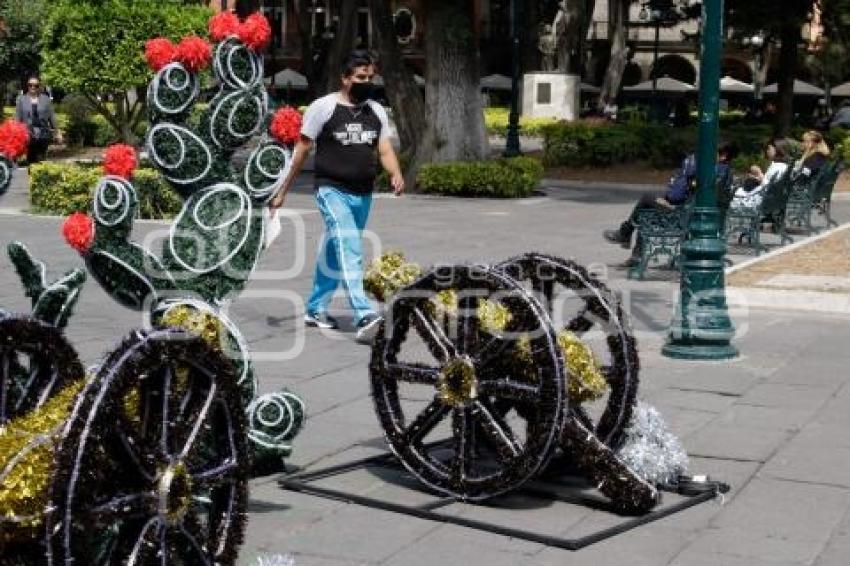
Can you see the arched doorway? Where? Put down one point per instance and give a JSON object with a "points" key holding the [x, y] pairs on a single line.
{"points": [[675, 67], [737, 69]]}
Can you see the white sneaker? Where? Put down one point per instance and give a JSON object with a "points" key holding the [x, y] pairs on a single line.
{"points": [[367, 328], [320, 320]]}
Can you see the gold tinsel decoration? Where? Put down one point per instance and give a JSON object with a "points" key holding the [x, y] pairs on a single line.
{"points": [[589, 383], [204, 324], [23, 492], [389, 273]]}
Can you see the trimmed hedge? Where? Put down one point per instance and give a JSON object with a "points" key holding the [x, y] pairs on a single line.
{"points": [[600, 144], [496, 121], [500, 178], [63, 188]]}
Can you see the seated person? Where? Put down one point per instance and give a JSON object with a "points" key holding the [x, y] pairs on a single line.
{"points": [[751, 194], [678, 190], [815, 153]]}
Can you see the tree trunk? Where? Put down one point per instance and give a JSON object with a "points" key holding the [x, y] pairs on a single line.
{"points": [[618, 13], [342, 43], [531, 58], [409, 111], [302, 22], [455, 114], [789, 37]]}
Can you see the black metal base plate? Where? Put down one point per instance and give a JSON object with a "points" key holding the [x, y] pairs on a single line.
{"points": [[546, 491]]}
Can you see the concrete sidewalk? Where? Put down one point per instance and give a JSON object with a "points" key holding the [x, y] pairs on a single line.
{"points": [[773, 423]]}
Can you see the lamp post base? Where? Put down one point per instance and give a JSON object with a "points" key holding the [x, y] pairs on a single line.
{"points": [[699, 351], [701, 328]]}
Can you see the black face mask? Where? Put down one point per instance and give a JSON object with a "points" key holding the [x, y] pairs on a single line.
{"points": [[361, 92]]}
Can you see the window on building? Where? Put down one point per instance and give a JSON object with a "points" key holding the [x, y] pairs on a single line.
{"points": [[276, 12]]}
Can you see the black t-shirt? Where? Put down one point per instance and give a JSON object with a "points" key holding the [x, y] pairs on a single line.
{"points": [[346, 140]]}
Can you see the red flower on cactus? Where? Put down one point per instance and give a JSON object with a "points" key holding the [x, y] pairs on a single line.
{"points": [[223, 25], [14, 139], [194, 52], [255, 31], [159, 52], [285, 126], [119, 160], [78, 230]]}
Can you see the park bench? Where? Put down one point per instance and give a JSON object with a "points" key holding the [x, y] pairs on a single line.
{"points": [[808, 195], [822, 199], [661, 230], [746, 222]]}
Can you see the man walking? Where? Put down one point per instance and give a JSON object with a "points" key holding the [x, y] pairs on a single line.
{"points": [[348, 129]]}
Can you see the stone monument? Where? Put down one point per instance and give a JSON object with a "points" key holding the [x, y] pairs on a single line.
{"points": [[551, 93]]}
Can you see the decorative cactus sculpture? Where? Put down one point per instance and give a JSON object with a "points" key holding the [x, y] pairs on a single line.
{"points": [[215, 242]]}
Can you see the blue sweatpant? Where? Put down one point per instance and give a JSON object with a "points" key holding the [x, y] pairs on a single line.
{"points": [[340, 256]]}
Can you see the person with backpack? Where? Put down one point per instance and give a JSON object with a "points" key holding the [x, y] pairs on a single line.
{"points": [[680, 188]]}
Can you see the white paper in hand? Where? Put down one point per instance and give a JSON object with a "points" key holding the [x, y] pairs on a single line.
{"points": [[271, 223]]}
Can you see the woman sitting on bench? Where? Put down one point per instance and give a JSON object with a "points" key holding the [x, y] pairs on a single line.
{"points": [[751, 194]]}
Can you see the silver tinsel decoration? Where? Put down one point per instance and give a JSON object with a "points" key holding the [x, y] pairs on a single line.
{"points": [[275, 560], [650, 449]]}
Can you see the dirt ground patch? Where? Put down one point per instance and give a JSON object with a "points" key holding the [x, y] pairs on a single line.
{"points": [[829, 256]]}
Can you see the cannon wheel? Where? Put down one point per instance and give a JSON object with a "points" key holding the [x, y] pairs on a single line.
{"points": [[152, 464], [35, 362], [563, 285], [454, 440]]}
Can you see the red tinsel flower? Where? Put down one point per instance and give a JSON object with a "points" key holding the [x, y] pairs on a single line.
{"points": [[14, 139], [195, 53], [223, 25], [119, 160], [159, 52], [285, 126], [78, 230], [255, 31]]}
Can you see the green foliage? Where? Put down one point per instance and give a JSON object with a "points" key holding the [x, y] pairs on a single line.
{"points": [[496, 121], [19, 53], [600, 144], [63, 188], [96, 47], [501, 178]]}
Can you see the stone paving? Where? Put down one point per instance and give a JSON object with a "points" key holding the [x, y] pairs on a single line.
{"points": [[772, 423]]}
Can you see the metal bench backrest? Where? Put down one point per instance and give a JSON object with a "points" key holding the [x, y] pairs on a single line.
{"points": [[826, 181], [776, 195]]}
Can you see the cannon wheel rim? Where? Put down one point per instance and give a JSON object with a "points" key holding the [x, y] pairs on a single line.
{"points": [[622, 374], [46, 348], [166, 478], [478, 423]]}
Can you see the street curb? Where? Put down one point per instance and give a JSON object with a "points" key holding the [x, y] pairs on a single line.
{"points": [[788, 299], [793, 300]]}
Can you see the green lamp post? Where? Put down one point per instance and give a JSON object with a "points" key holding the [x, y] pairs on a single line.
{"points": [[701, 328]]}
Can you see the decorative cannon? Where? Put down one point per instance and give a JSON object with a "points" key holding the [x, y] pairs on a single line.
{"points": [[143, 459], [215, 242], [481, 374]]}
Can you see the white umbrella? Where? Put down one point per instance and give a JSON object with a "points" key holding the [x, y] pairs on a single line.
{"points": [[801, 88], [664, 84], [728, 84], [840, 90], [496, 82], [289, 78]]}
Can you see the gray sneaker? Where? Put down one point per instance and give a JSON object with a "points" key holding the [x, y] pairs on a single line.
{"points": [[320, 320], [367, 328]]}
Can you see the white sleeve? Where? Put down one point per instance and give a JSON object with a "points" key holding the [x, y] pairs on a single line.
{"points": [[316, 115], [384, 119]]}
